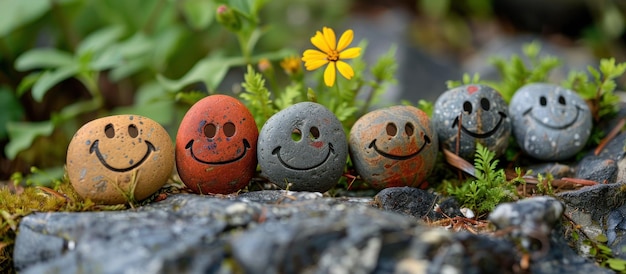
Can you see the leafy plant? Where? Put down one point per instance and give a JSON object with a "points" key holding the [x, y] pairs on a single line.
{"points": [[488, 189]]}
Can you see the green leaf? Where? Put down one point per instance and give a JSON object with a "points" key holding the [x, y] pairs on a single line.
{"points": [[199, 13], [43, 58], [210, 71], [100, 39], [27, 83], [50, 78], [22, 135], [16, 13], [616, 264], [11, 110]]}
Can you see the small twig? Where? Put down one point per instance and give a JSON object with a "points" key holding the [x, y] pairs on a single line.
{"points": [[616, 130], [458, 162]]}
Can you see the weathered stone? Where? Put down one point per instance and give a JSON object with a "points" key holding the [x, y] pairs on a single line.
{"points": [[266, 232], [110, 157], [216, 146], [406, 200], [530, 219], [549, 122], [475, 113], [603, 171], [303, 146], [395, 146]]}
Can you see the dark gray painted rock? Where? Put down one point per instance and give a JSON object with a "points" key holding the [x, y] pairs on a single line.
{"points": [[395, 146], [549, 122], [478, 114], [305, 146], [406, 200]]}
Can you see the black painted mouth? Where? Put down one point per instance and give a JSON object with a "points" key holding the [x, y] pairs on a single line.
{"points": [[480, 135], [94, 147], [246, 146], [399, 157], [276, 151], [529, 112]]}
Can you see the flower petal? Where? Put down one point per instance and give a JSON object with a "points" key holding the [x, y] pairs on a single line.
{"points": [[329, 36], [314, 64], [345, 69], [330, 74], [350, 53], [311, 54], [319, 42], [345, 40]]}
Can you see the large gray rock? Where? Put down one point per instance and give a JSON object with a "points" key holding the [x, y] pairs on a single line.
{"points": [[264, 232]]}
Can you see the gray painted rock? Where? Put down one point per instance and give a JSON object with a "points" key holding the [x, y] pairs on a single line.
{"points": [[549, 122], [304, 146], [395, 146], [476, 113]]}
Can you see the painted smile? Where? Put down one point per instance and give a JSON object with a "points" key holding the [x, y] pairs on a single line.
{"points": [[277, 152], [399, 157], [94, 147], [480, 135], [246, 146], [529, 112]]}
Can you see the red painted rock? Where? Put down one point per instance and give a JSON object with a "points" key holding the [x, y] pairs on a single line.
{"points": [[110, 156], [393, 147], [216, 146]]}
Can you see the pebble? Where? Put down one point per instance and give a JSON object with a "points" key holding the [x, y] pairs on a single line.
{"points": [[482, 115], [110, 156], [529, 220], [549, 122], [303, 148], [216, 146], [395, 146]]}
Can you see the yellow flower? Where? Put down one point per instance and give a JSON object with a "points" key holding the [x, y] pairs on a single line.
{"points": [[332, 53], [291, 65]]}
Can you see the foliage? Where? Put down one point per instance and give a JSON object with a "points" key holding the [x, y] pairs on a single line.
{"points": [[598, 90], [488, 189], [465, 81], [257, 97], [598, 249], [516, 73], [72, 61]]}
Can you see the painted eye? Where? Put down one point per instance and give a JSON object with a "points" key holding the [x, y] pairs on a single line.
{"points": [[391, 129], [229, 129], [296, 135], [427, 139], [409, 129], [314, 133], [210, 130], [561, 100], [109, 131], [484, 103], [133, 131], [467, 107], [543, 101]]}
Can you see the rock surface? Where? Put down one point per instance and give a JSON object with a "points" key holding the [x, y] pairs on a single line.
{"points": [[269, 232]]}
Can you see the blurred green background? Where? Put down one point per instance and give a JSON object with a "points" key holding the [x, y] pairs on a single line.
{"points": [[66, 62]]}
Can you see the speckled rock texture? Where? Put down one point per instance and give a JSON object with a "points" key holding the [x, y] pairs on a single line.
{"points": [[472, 114], [303, 147], [395, 146], [549, 122]]}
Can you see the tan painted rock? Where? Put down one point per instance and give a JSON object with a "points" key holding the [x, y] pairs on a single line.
{"points": [[107, 156], [216, 146], [392, 147]]}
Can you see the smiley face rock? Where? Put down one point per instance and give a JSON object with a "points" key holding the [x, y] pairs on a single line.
{"points": [[550, 122], [393, 147], [303, 145], [110, 156], [475, 113], [216, 146]]}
